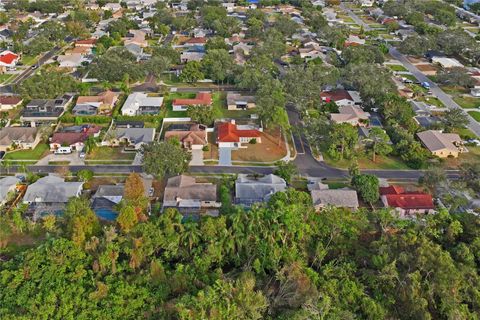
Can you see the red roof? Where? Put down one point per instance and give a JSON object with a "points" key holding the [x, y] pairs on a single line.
{"points": [[201, 99], [228, 132], [70, 138], [397, 198], [8, 57], [10, 100], [87, 42], [199, 40], [336, 95]]}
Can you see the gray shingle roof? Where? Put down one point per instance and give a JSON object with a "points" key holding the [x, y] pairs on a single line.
{"points": [[249, 190], [52, 189]]}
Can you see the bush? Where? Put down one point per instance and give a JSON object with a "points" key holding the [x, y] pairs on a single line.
{"points": [[253, 141], [206, 148]]}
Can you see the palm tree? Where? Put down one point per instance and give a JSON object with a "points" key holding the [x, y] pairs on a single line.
{"points": [[191, 235]]}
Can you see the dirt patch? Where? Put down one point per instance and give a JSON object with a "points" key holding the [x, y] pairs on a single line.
{"points": [[416, 60], [272, 148], [212, 153]]}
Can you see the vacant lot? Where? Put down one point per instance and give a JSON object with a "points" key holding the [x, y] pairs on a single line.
{"points": [[110, 153], [272, 148], [212, 153]]}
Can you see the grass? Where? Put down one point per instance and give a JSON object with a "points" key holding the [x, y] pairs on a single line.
{"points": [[467, 102], [466, 133], [473, 155], [397, 67], [109, 153], [268, 150], [432, 100], [58, 163], [28, 60], [475, 115], [5, 77], [35, 154], [168, 103], [365, 162], [454, 90]]}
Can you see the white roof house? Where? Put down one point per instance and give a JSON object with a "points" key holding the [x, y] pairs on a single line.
{"points": [[140, 103], [74, 60], [7, 185], [447, 62]]}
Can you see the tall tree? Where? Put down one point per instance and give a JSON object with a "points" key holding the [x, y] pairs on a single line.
{"points": [[165, 158]]}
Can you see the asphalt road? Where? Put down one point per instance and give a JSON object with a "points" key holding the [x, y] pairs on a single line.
{"points": [[355, 18], [436, 90]]}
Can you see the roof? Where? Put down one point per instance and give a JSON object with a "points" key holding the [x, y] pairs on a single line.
{"points": [[347, 113], [24, 134], [140, 99], [192, 137], [10, 100], [74, 137], [396, 197], [52, 189], [6, 185], [107, 97], [136, 135], [336, 197], [435, 140], [201, 98], [228, 132], [86, 42], [186, 188], [8, 57], [336, 95], [249, 190], [198, 40], [233, 98]]}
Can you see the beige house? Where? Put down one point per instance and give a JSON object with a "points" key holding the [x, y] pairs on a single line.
{"points": [[324, 197], [353, 115], [193, 139], [101, 104], [442, 144], [236, 101], [12, 138]]}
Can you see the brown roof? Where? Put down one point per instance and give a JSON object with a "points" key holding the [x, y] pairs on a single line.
{"points": [[24, 134], [336, 95], [108, 97], [10, 100], [186, 188], [201, 99], [192, 137], [435, 140]]}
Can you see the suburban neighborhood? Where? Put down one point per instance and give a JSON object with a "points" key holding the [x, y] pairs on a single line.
{"points": [[250, 159]]}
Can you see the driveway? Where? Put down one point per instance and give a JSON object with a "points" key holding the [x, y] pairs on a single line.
{"points": [[225, 156], [72, 158], [197, 157]]}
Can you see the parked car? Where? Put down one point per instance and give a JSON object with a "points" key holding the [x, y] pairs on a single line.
{"points": [[63, 150], [81, 155], [426, 85], [2, 154]]}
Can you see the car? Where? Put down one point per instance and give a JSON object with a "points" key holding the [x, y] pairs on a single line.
{"points": [[35, 66], [2, 154], [426, 85], [81, 155], [405, 80]]}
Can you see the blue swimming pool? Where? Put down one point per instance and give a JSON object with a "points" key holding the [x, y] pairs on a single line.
{"points": [[106, 214]]}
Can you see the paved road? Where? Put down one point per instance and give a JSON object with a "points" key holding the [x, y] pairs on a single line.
{"points": [[436, 90], [355, 18]]}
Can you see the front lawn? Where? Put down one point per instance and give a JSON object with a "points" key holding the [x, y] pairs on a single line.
{"points": [[467, 102], [396, 67], [432, 101], [453, 90], [39, 152], [475, 115], [28, 60], [473, 155], [271, 149], [365, 162], [466, 133], [110, 153]]}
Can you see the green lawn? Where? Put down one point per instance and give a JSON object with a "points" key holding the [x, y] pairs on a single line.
{"points": [[365, 162], [454, 90], [475, 115], [396, 67], [432, 100], [28, 59], [466, 133], [109, 153], [467, 102], [34, 154], [4, 77]]}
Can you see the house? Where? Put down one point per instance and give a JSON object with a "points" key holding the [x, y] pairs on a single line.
{"points": [[189, 55], [194, 42], [354, 40], [87, 43], [201, 99], [353, 115], [231, 135], [100, 104], [406, 204], [10, 102], [237, 101], [73, 137], [191, 197], [441, 144], [250, 190], [229, 6], [193, 139], [50, 194], [366, 3], [342, 97], [310, 53], [7, 186], [475, 91], [71, 61], [39, 110], [129, 124], [8, 59], [137, 37], [12, 138], [447, 63], [140, 103], [114, 7], [132, 137], [323, 197]]}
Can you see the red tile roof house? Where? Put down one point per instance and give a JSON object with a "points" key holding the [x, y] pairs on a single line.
{"points": [[200, 41], [232, 136], [341, 97], [89, 43], [9, 102], [75, 140], [201, 99], [406, 204], [8, 59]]}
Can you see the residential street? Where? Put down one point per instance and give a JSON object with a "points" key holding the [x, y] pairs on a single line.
{"points": [[436, 90]]}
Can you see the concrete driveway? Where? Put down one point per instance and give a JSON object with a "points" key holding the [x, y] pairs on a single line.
{"points": [[73, 158], [224, 156], [197, 157]]}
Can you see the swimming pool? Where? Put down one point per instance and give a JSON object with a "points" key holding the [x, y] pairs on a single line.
{"points": [[106, 214]]}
